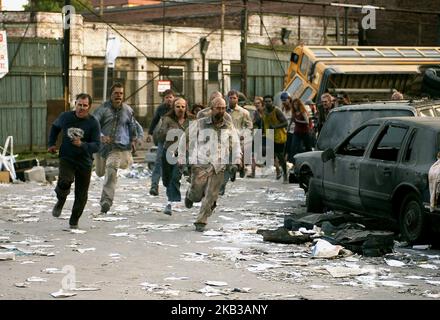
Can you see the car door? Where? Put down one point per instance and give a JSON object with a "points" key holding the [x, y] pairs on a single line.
{"points": [[341, 175], [378, 170]]}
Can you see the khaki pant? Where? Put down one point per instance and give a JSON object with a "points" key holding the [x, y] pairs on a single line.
{"points": [[205, 186], [109, 167]]}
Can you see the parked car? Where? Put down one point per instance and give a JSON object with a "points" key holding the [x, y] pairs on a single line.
{"points": [[381, 170], [343, 120]]}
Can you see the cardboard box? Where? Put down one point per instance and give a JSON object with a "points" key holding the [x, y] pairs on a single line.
{"points": [[4, 177]]}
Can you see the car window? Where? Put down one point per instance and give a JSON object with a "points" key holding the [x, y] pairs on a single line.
{"points": [[358, 143], [388, 144], [427, 113], [410, 156], [340, 124]]}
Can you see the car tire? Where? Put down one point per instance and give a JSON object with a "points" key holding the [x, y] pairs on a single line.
{"points": [[151, 165], [412, 218], [313, 199], [304, 176]]}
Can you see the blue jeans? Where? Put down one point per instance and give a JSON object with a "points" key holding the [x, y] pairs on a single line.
{"points": [[157, 171], [171, 176]]}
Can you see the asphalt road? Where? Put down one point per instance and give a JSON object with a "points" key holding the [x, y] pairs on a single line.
{"points": [[144, 254]]}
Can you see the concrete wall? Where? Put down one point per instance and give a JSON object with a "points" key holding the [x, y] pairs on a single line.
{"points": [[143, 49]]}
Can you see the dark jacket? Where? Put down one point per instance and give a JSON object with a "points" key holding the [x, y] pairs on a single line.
{"points": [[91, 130], [160, 112]]}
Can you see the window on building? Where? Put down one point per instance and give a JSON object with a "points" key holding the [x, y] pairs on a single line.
{"points": [[112, 77], [236, 76], [213, 70], [175, 75]]}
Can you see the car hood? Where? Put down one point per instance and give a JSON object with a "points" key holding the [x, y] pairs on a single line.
{"points": [[311, 158]]}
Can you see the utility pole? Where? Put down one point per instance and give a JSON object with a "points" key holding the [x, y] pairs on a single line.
{"points": [[222, 39], [345, 26], [104, 85], [101, 8], [243, 47], [66, 57]]}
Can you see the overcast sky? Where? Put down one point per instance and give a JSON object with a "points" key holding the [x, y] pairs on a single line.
{"points": [[13, 5]]}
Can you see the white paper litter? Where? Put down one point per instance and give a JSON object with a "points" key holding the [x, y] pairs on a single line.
{"points": [[77, 231], [109, 219], [62, 294], [422, 246], [85, 289], [428, 266], [318, 286], [216, 283], [262, 267], [342, 272], [8, 246], [84, 250], [36, 279], [120, 234], [212, 233], [21, 285], [52, 270], [430, 294], [210, 291], [175, 278], [7, 256], [392, 283], [394, 263], [324, 249]]}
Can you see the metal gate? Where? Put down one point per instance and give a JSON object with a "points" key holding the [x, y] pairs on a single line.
{"points": [[35, 76]]}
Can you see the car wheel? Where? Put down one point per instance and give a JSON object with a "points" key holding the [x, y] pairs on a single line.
{"points": [[313, 199], [304, 177], [151, 165], [412, 218]]}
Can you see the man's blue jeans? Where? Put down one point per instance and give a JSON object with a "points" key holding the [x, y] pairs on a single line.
{"points": [[157, 171]]}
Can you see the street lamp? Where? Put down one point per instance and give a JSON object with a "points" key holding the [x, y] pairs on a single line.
{"points": [[204, 44]]}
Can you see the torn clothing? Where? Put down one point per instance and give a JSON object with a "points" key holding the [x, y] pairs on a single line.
{"points": [[434, 185]]}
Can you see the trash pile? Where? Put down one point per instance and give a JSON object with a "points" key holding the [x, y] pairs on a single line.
{"points": [[346, 230]]}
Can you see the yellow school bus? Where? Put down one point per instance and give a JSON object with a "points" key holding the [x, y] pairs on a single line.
{"points": [[364, 73]]}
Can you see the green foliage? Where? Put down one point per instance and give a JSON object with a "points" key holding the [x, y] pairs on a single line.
{"points": [[55, 5]]}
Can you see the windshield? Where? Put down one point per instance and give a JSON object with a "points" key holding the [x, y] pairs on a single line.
{"points": [[341, 124]]}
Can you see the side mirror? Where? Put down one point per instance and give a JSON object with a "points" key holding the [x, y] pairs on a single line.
{"points": [[328, 154]]}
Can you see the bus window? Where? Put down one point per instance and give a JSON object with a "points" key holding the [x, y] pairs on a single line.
{"points": [[294, 86], [322, 53], [369, 53], [307, 94], [345, 52], [304, 64]]}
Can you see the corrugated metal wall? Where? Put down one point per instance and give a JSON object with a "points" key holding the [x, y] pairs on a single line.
{"points": [[35, 75], [265, 71]]}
